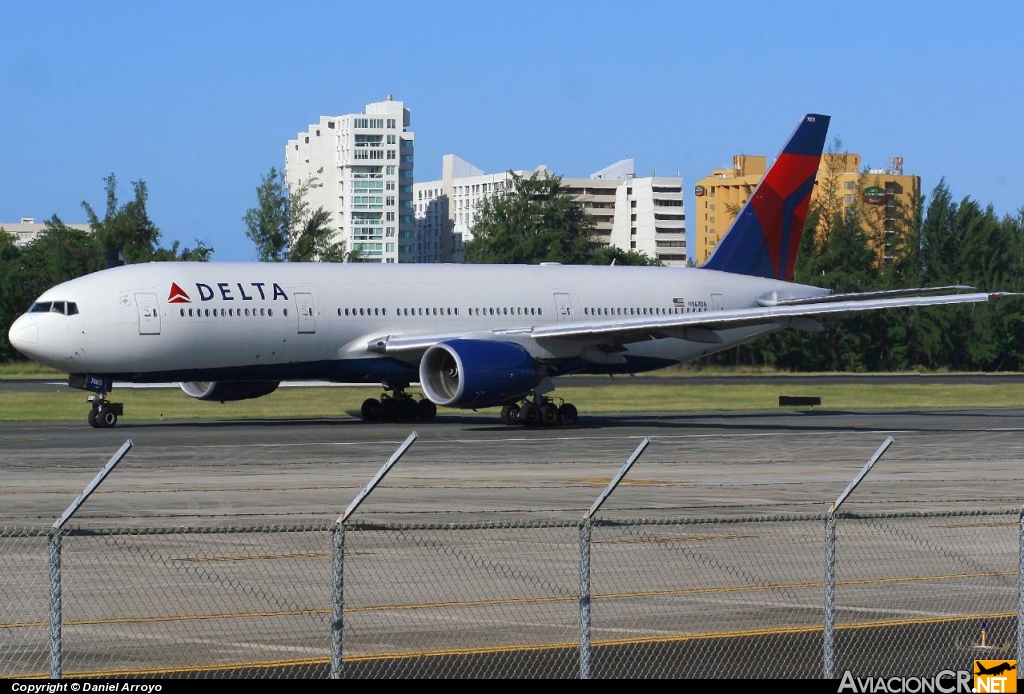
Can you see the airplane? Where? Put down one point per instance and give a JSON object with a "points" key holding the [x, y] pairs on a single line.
{"points": [[472, 336], [995, 669]]}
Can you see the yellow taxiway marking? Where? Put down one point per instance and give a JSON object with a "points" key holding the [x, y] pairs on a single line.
{"points": [[487, 650], [511, 601]]}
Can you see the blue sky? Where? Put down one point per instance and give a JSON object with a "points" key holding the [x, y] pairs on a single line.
{"points": [[199, 99]]}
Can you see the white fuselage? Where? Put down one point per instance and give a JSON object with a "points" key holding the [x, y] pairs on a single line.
{"points": [[209, 321]]}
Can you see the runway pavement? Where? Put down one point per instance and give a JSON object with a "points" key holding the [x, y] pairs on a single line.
{"points": [[462, 465], [670, 600]]}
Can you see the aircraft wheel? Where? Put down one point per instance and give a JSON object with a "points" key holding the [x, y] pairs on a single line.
{"points": [[549, 415], [93, 422], [510, 414], [426, 410], [407, 409], [568, 414], [370, 410], [106, 418], [388, 409], [529, 415]]}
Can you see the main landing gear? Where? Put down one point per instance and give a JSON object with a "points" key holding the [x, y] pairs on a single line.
{"points": [[540, 411], [104, 414], [397, 406]]}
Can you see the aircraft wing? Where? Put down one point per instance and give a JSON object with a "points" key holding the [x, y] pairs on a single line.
{"points": [[701, 327], [697, 327]]}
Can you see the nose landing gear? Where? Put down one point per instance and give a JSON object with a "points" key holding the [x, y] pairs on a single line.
{"points": [[104, 414]]}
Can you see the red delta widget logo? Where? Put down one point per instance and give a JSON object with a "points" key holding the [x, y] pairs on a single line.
{"points": [[228, 291]]}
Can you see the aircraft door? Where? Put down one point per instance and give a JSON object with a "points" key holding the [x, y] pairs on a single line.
{"points": [[563, 308], [717, 302], [307, 313], [149, 314]]}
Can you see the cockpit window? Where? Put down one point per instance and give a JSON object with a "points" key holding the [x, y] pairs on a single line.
{"points": [[68, 308]]}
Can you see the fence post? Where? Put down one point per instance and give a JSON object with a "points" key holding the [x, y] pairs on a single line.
{"points": [[56, 603], [828, 641], [1019, 655], [585, 599], [829, 668], [337, 599], [56, 621], [585, 557], [338, 558]]}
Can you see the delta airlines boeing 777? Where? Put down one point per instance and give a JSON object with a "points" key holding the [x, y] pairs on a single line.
{"points": [[471, 335]]}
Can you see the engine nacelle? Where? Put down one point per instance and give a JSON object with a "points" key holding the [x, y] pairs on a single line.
{"points": [[477, 373], [226, 391]]}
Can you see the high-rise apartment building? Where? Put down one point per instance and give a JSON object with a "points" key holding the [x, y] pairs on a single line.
{"points": [[886, 194], [359, 167], [642, 214]]}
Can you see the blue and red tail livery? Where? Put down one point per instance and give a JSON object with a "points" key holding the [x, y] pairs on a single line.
{"points": [[764, 239]]}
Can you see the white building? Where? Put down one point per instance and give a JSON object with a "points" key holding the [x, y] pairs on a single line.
{"points": [[641, 214], [27, 230], [359, 168]]}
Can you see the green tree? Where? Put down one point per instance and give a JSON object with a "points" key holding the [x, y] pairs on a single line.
{"points": [[535, 220], [200, 254], [12, 301], [608, 254], [284, 229], [314, 240], [268, 223], [126, 229]]}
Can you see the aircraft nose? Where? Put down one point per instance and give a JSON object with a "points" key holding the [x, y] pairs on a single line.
{"points": [[24, 335]]}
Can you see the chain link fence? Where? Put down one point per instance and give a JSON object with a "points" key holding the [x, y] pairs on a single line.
{"points": [[907, 594]]}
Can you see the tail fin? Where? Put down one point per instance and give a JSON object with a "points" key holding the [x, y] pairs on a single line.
{"points": [[765, 236]]}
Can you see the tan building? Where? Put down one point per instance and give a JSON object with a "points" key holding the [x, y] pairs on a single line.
{"points": [[28, 230], [883, 194]]}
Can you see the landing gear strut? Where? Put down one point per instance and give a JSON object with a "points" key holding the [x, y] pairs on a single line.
{"points": [[540, 410], [397, 406], [104, 414]]}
